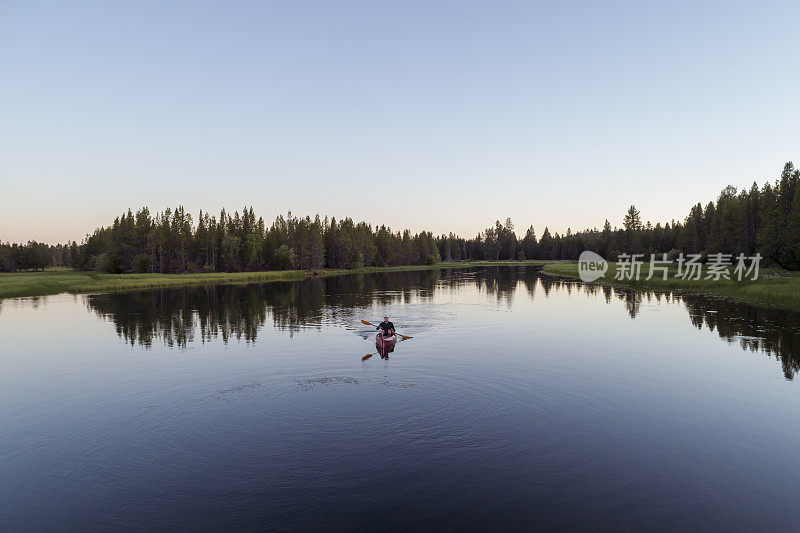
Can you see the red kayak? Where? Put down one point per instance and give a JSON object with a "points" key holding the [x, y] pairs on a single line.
{"points": [[380, 340]]}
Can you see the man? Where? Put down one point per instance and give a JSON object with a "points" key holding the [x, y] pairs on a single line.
{"points": [[387, 327]]}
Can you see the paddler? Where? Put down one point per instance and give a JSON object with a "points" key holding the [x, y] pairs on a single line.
{"points": [[386, 327]]}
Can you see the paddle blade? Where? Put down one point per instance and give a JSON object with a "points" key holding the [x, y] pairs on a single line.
{"points": [[367, 323], [404, 336]]}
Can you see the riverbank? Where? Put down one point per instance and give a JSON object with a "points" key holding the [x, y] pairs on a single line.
{"points": [[773, 289], [56, 281], [778, 289]]}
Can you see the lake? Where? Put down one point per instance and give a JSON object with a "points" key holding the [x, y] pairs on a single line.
{"points": [[522, 401]]}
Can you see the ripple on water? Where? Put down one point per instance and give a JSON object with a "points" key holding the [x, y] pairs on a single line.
{"points": [[311, 384]]}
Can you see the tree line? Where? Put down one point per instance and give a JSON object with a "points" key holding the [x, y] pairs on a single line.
{"points": [[763, 220], [171, 242]]}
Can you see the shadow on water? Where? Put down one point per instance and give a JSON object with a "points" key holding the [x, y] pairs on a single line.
{"points": [[181, 316], [755, 329]]}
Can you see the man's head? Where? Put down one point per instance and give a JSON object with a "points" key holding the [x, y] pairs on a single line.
{"points": [[386, 319]]}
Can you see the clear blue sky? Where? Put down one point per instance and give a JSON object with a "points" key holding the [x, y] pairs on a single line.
{"points": [[428, 115]]}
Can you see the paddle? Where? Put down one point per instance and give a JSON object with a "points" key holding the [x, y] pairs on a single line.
{"points": [[376, 325]]}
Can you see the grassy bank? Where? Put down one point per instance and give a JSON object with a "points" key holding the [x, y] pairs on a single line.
{"points": [[55, 281], [63, 280], [774, 289], [777, 289]]}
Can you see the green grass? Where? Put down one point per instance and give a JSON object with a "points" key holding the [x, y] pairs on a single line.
{"points": [[777, 289], [774, 288], [55, 281]]}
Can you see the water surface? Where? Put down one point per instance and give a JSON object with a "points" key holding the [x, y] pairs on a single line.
{"points": [[522, 401]]}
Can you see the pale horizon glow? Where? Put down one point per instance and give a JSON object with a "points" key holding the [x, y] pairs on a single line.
{"points": [[440, 116]]}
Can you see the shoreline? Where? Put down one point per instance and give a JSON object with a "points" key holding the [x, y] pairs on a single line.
{"points": [[773, 289], [777, 290], [58, 281]]}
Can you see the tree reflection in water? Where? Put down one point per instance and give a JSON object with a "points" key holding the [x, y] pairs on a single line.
{"points": [[181, 316]]}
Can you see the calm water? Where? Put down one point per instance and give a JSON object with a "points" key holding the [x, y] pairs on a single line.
{"points": [[522, 401]]}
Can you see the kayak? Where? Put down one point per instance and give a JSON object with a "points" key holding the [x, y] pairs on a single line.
{"points": [[380, 340]]}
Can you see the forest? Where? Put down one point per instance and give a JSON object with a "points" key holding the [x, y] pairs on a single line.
{"points": [[764, 220]]}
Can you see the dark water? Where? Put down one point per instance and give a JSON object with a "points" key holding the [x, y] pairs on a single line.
{"points": [[521, 402]]}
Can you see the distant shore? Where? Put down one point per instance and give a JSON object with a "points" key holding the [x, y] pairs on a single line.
{"points": [[774, 288], [56, 281], [778, 289]]}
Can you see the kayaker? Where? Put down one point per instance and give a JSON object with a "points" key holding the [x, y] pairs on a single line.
{"points": [[386, 327]]}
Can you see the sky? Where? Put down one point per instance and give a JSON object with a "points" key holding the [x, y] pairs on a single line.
{"points": [[434, 115]]}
